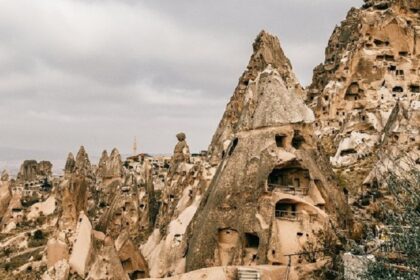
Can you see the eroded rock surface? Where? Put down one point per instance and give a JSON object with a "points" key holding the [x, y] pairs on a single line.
{"points": [[366, 93]]}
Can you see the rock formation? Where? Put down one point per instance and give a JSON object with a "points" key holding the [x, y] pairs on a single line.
{"points": [[82, 164], [262, 194], [83, 247], [5, 193], [70, 165], [31, 170], [365, 94], [181, 195], [132, 260], [102, 165], [272, 182], [267, 51]]}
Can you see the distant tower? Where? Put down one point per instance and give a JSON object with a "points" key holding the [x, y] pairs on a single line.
{"points": [[135, 146]]}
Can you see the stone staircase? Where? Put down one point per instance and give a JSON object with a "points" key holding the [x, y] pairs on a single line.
{"points": [[248, 274]]}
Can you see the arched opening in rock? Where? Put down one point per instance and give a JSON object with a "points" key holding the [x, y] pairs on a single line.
{"points": [[353, 92], [252, 241], [291, 178], [286, 209], [227, 239]]}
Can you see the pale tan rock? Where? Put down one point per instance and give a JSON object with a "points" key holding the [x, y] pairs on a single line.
{"points": [[365, 93], [107, 265], [273, 190], [82, 250], [57, 250], [267, 51], [82, 164], [5, 196], [131, 258], [70, 165], [181, 151], [60, 271]]}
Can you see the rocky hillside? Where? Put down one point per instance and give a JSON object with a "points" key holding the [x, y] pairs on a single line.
{"points": [[366, 94], [292, 180]]}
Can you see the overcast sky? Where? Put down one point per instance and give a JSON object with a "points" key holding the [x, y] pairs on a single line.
{"points": [[99, 72]]}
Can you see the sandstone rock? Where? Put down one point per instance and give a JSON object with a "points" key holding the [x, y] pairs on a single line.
{"points": [[114, 165], [4, 176], [267, 51], [107, 265], [82, 164], [81, 254], [5, 196], [364, 95], [60, 271], [70, 165], [181, 151], [74, 198], [14, 214], [28, 170], [57, 250], [271, 184], [131, 258], [45, 208], [102, 165], [45, 168]]}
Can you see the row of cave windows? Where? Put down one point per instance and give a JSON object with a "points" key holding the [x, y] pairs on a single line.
{"points": [[297, 142], [352, 95]]}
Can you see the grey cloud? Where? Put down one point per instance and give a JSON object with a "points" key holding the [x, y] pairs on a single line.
{"points": [[99, 72]]}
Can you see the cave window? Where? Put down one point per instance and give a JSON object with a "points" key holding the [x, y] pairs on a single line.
{"points": [[233, 146], [293, 180], [297, 140], [138, 274], [392, 68], [251, 240], [126, 264], [397, 89], [403, 53], [285, 209], [280, 140], [352, 92], [389, 57], [399, 72], [347, 152], [415, 88], [378, 43]]}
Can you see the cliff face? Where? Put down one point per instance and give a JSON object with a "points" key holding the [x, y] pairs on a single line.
{"points": [[366, 94], [267, 51], [271, 183]]}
